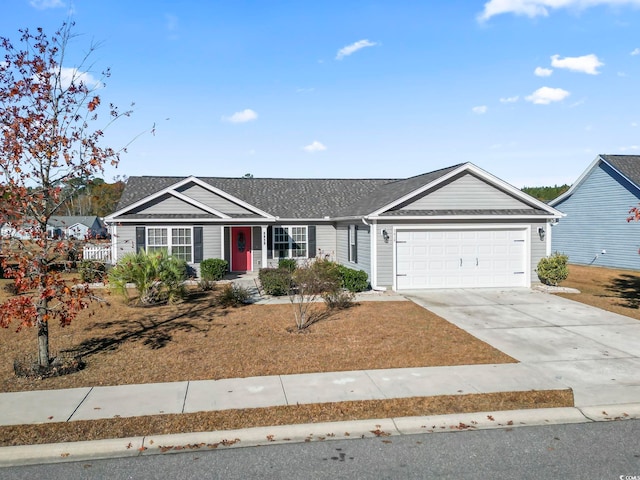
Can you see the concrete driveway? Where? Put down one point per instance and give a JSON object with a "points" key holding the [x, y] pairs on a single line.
{"points": [[595, 352]]}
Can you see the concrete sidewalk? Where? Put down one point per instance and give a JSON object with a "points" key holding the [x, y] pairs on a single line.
{"points": [[91, 403]]}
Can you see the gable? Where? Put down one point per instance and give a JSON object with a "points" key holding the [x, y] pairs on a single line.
{"points": [[464, 192], [213, 200], [602, 190], [168, 205]]}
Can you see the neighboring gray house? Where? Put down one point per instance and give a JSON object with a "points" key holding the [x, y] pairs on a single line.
{"points": [[455, 227], [595, 230], [79, 227]]}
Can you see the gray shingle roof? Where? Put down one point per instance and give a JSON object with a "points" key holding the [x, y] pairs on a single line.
{"points": [[302, 198], [628, 165], [284, 198]]}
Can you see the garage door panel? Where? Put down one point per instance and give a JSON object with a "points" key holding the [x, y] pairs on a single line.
{"points": [[461, 258]]}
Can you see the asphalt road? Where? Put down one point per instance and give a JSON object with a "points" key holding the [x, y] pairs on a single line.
{"points": [[602, 450]]}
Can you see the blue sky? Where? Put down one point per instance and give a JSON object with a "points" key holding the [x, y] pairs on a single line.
{"points": [[529, 90]]}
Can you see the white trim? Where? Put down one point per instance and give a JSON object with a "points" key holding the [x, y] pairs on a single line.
{"points": [[263, 239], [548, 230], [598, 160], [578, 182], [495, 181], [273, 240], [498, 226], [374, 253], [222, 239], [192, 220], [172, 191], [397, 218], [114, 243], [169, 229], [198, 204]]}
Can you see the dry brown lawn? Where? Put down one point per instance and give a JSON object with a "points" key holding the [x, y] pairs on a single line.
{"points": [[198, 339], [610, 289]]}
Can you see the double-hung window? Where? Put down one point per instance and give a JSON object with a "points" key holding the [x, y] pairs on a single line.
{"points": [[290, 242], [352, 249], [177, 241]]}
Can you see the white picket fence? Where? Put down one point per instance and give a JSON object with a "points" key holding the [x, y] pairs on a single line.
{"points": [[100, 253]]}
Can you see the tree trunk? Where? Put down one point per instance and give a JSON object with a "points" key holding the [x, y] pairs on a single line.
{"points": [[43, 334]]}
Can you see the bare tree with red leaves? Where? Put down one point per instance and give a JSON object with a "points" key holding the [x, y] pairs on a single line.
{"points": [[48, 141]]}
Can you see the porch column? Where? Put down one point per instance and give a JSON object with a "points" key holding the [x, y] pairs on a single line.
{"points": [[263, 239]]}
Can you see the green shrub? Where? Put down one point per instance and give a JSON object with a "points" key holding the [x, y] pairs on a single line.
{"points": [[213, 269], [275, 281], [553, 269], [157, 276], [233, 295], [288, 264], [354, 280], [92, 271]]}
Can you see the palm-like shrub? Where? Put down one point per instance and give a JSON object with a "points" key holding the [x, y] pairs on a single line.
{"points": [[157, 276]]}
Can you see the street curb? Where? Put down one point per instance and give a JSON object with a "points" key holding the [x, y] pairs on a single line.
{"points": [[305, 433]]}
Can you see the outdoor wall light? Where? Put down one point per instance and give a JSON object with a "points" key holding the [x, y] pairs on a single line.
{"points": [[541, 233], [385, 235]]}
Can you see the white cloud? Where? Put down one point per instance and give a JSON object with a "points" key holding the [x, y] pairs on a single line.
{"points": [[546, 95], [542, 72], [584, 64], [630, 147], [513, 99], [244, 116], [634, 124], [44, 4], [68, 75], [541, 8], [354, 47], [636, 51], [315, 146], [480, 109]]}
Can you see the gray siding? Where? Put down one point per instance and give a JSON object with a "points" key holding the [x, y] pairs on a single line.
{"points": [[126, 241], [538, 248], [363, 246], [384, 256], [171, 205], [211, 238], [466, 192], [325, 240], [212, 200], [342, 235], [596, 221], [364, 250]]}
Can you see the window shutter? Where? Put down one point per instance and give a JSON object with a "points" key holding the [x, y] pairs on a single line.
{"points": [[355, 244], [197, 244], [311, 234], [269, 242], [140, 239]]}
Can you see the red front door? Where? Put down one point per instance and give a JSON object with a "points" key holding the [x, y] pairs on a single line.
{"points": [[240, 249]]}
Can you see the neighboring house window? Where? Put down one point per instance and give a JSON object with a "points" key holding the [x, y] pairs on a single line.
{"points": [[176, 241], [290, 242], [353, 243]]}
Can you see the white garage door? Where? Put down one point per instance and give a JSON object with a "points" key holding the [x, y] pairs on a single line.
{"points": [[460, 258]]}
